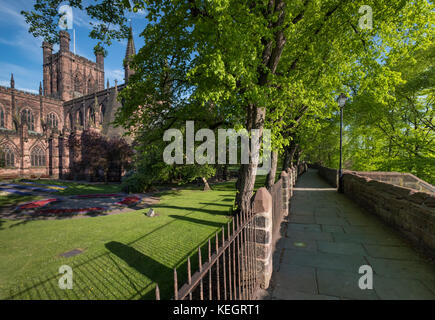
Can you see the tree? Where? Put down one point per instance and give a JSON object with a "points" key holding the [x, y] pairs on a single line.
{"points": [[93, 153], [249, 61]]}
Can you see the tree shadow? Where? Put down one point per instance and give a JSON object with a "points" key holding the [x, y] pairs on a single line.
{"points": [[214, 212], [216, 204], [143, 264], [205, 222]]}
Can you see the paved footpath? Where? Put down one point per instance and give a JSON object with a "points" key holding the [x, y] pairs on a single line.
{"points": [[327, 239]]}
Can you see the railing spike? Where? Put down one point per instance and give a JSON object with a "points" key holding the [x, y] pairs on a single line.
{"points": [[201, 293], [189, 276], [218, 287], [175, 284], [224, 265], [157, 292], [210, 294]]}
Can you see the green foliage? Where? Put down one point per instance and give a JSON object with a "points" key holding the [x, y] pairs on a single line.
{"points": [[150, 169], [225, 63], [106, 19], [99, 156], [397, 134]]}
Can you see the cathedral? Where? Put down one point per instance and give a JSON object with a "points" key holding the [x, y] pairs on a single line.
{"points": [[35, 128]]}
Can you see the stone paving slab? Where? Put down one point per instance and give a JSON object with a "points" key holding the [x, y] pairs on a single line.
{"points": [[341, 248], [334, 229], [322, 260], [430, 285], [367, 239], [331, 221], [326, 240], [391, 252], [302, 219], [306, 245], [303, 227], [401, 289], [402, 268], [303, 279], [342, 284], [309, 235]]}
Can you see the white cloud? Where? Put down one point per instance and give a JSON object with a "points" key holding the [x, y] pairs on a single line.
{"points": [[10, 17], [112, 74], [24, 77]]}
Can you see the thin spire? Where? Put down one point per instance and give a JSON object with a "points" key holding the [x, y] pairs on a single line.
{"points": [[12, 81], [40, 88], [131, 50]]}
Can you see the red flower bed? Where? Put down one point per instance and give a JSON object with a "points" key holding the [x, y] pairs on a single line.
{"points": [[98, 195], [129, 200], [78, 210], [36, 204]]}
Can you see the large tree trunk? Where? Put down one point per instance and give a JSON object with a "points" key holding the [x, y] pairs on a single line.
{"points": [[270, 179], [286, 161], [289, 154], [297, 154], [270, 56], [247, 172]]}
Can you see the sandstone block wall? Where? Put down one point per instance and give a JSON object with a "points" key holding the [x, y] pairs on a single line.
{"points": [[330, 175], [410, 211]]}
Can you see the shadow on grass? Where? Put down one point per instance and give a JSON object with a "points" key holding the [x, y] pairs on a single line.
{"points": [[199, 221], [227, 205], [140, 262], [121, 272], [214, 212]]}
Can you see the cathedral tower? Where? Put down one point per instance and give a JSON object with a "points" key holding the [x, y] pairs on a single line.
{"points": [[67, 75]]}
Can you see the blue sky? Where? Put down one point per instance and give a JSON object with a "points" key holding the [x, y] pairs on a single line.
{"points": [[21, 53]]}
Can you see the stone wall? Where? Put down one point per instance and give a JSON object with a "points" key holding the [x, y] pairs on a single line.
{"points": [[410, 211], [406, 180], [330, 175], [269, 211]]}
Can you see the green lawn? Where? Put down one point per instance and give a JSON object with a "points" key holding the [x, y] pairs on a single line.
{"points": [[80, 188], [125, 254]]}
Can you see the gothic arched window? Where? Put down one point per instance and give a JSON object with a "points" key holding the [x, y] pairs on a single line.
{"points": [[52, 121], [91, 87], [37, 157], [7, 157], [2, 118], [27, 117], [81, 122], [103, 111], [92, 118], [77, 84]]}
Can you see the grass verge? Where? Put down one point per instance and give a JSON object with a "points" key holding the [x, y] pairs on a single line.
{"points": [[124, 254]]}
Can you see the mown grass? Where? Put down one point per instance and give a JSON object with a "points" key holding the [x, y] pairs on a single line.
{"points": [[75, 188], [125, 254]]}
